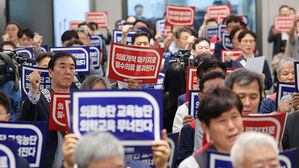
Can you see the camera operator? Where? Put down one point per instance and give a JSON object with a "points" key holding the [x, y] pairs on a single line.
{"points": [[9, 79]]}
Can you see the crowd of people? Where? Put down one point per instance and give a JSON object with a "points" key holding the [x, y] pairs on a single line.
{"points": [[223, 99]]}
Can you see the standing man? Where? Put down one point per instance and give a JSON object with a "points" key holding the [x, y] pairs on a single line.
{"points": [[279, 39], [37, 105], [138, 11]]}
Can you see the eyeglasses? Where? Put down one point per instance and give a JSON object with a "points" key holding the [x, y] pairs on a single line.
{"points": [[248, 41]]}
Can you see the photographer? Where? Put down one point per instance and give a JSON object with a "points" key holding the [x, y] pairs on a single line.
{"points": [[9, 80]]}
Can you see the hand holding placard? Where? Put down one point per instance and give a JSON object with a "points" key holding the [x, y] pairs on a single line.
{"points": [[161, 151], [68, 148]]}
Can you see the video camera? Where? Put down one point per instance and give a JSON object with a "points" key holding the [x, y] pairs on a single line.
{"points": [[182, 56], [9, 65], [20, 58]]}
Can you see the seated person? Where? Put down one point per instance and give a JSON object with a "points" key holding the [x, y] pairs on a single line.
{"points": [[27, 38], [220, 115], [208, 83], [4, 116], [248, 86], [285, 73], [89, 152], [254, 149], [181, 117], [247, 40], [290, 136]]}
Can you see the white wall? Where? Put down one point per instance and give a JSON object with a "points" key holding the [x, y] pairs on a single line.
{"points": [[2, 17], [269, 11], [113, 7]]}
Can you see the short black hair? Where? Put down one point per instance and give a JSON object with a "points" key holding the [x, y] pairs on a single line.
{"points": [[185, 29], [209, 76], [217, 102], [292, 9], [91, 24], [283, 6], [211, 20], [60, 55], [72, 42], [4, 101], [202, 58], [82, 24], [13, 23], [138, 5], [234, 30], [68, 35], [28, 32], [234, 18], [2, 44], [244, 33], [198, 40], [207, 65], [138, 34], [142, 21], [44, 55]]}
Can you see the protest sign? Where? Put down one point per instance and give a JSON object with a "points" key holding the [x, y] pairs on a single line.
{"points": [[8, 154], [134, 116], [30, 137], [287, 158], [271, 124], [26, 51], [235, 54], [145, 153], [192, 81], [160, 25], [100, 18], [45, 81], [283, 24], [117, 35], [211, 31], [221, 30], [60, 112], [284, 92], [96, 40], [74, 24], [193, 102], [81, 54], [180, 15], [44, 48], [95, 56], [226, 43], [219, 160], [167, 31], [132, 62], [219, 10], [296, 70], [159, 84]]}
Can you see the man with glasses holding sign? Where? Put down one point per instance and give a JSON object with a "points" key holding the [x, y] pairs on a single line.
{"points": [[37, 105]]}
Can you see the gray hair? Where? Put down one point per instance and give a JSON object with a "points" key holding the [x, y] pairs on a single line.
{"points": [[247, 141], [83, 31], [91, 80], [243, 77], [96, 146], [286, 61]]}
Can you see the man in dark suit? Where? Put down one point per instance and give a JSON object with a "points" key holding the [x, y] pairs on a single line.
{"points": [[37, 105], [291, 137]]}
